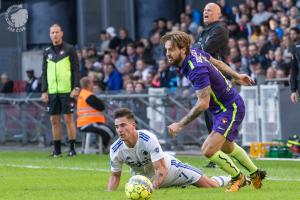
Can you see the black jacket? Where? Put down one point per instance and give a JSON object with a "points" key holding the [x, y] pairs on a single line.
{"points": [[29, 85], [56, 53], [167, 78], [96, 103], [214, 40], [7, 87], [295, 74]]}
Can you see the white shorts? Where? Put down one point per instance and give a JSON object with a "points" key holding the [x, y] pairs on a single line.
{"points": [[181, 174]]}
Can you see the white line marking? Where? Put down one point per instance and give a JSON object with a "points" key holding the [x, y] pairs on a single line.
{"points": [[107, 170], [61, 168], [282, 179], [279, 159]]}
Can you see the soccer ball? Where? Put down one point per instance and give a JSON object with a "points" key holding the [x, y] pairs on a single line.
{"points": [[138, 187]]}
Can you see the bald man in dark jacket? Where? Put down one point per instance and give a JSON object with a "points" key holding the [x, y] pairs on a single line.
{"points": [[214, 38]]}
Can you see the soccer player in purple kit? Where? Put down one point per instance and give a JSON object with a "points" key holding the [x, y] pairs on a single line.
{"points": [[214, 92]]}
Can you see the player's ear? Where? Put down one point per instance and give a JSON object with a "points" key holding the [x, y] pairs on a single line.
{"points": [[183, 50], [134, 124]]}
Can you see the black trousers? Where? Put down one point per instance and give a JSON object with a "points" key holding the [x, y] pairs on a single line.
{"points": [[103, 130], [208, 121]]}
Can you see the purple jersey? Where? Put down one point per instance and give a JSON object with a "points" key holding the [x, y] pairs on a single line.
{"points": [[201, 73]]}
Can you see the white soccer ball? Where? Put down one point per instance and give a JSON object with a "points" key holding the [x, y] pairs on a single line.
{"points": [[138, 187]]}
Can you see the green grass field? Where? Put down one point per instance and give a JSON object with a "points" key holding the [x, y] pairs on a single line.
{"points": [[34, 175]]}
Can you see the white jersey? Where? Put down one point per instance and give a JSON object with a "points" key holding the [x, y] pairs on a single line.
{"points": [[146, 151]]}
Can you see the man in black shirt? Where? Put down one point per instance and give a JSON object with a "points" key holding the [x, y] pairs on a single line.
{"points": [[32, 84], [295, 72], [7, 84], [214, 38]]}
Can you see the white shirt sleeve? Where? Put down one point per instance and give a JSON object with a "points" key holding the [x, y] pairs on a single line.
{"points": [[34, 84], [155, 149], [115, 162]]}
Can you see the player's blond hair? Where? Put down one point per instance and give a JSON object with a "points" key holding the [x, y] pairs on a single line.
{"points": [[178, 38]]}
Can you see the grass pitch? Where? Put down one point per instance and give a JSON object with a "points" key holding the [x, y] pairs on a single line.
{"points": [[35, 175]]}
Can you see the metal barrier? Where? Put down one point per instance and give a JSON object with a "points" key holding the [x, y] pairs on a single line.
{"points": [[250, 127], [23, 117], [269, 114]]}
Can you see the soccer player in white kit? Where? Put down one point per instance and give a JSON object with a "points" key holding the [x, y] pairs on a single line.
{"points": [[141, 151]]}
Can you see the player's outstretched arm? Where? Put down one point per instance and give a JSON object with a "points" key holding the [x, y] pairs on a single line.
{"points": [[161, 172], [242, 79], [202, 104], [114, 181]]}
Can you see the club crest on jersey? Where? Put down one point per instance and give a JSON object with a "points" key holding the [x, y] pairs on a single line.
{"points": [[224, 120], [156, 150], [50, 56], [129, 160], [61, 52], [145, 152]]}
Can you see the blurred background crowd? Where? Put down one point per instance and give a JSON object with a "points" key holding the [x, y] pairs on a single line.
{"points": [[262, 35]]}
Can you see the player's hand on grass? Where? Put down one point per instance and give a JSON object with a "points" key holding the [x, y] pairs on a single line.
{"points": [[175, 128], [244, 79], [155, 186], [44, 97]]}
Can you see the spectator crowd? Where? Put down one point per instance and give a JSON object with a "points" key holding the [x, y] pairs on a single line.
{"points": [[262, 37]]}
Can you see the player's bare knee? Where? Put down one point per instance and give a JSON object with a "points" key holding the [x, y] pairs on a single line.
{"points": [[208, 151], [55, 121], [68, 119]]}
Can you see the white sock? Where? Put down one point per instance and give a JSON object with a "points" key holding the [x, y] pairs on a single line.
{"points": [[222, 180]]}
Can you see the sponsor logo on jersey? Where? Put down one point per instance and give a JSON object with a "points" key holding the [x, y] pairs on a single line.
{"points": [[224, 120]]}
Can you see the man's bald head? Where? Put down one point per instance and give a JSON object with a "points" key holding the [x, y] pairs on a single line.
{"points": [[211, 13]]}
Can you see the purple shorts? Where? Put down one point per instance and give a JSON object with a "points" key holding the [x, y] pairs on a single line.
{"points": [[227, 123]]}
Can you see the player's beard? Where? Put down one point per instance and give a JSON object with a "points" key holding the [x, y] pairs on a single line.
{"points": [[175, 61]]}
